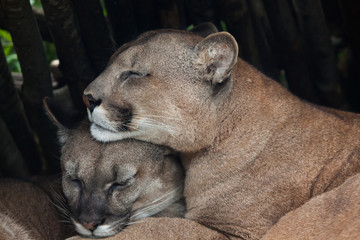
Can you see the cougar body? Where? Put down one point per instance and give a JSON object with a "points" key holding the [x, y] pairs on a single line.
{"points": [[252, 151]]}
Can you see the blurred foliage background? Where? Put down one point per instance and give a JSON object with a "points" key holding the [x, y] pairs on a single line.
{"points": [[9, 50]]}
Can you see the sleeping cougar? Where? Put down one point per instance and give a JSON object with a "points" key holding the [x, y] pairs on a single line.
{"points": [[109, 186], [252, 151]]}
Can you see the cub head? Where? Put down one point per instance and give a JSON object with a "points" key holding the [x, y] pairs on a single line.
{"points": [[108, 186], [165, 87]]}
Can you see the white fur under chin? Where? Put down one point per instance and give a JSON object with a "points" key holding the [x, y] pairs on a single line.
{"points": [[100, 231], [104, 135], [104, 231], [98, 116], [81, 229]]}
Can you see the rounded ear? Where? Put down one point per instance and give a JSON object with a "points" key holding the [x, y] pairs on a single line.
{"points": [[65, 118], [216, 56]]}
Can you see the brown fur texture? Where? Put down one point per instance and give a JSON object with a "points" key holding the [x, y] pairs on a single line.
{"points": [[252, 151], [331, 215], [26, 213]]}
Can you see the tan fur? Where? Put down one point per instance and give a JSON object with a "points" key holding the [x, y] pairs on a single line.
{"points": [[152, 182], [26, 213], [252, 151], [332, 215]]}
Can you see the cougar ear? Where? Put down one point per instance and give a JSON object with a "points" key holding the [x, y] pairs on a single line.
{"points": [[65, 118], [204, 29], [216, 56]]}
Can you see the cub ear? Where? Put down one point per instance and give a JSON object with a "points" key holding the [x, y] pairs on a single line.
{"points": [[204, 29], [216, 56], [64, 117]]}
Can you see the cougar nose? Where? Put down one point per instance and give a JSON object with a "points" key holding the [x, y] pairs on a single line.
{"points": [[91, 102], [92, 225]]}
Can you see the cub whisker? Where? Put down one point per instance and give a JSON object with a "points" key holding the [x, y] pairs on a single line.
{"points": [[154, 203], [135, 222]]}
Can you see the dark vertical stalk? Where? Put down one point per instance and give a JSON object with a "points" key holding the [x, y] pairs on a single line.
{"points": [[351, 13], [94, 32], [236, 15], [122, 20], [41, 22], [320, 53], [13, 114], [290, 47], [74, 61], [11, 162], [264, 38], [34, 66]]}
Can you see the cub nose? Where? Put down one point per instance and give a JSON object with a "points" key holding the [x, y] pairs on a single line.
{"points": [[92, 225], [91, 102]]}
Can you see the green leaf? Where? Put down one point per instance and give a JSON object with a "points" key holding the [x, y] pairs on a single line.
{"points": [[223, 26], [190, 27], [11, 57], [5, 35]]}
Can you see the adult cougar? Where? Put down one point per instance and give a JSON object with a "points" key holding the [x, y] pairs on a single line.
{"points": [[109, 186], [252, 151]]}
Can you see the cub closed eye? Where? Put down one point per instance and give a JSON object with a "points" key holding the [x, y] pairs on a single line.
{"points": [[117, 186]]}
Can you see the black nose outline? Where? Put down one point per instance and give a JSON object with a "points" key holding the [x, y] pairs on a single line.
{"points": [[91, 102]]}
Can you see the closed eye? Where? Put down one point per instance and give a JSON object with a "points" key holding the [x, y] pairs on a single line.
{"points": [[132, 74], [117, 186]]}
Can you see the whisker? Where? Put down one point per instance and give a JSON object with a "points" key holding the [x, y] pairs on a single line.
{"points": [[153, 123], [154, 203], [146, 119], [146, 123], [135, 222], [159, 116]]}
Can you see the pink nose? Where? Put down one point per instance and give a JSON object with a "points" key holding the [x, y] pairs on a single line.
{"points": [[90, 226], [86, 101], [91, 102]]}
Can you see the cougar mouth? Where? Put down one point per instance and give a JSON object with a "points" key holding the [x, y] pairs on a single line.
{"points": [[103, 230], [113, 120]]}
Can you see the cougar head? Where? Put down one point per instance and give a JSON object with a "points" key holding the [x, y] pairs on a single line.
{"points": [[164, 87], [108, 186]]}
